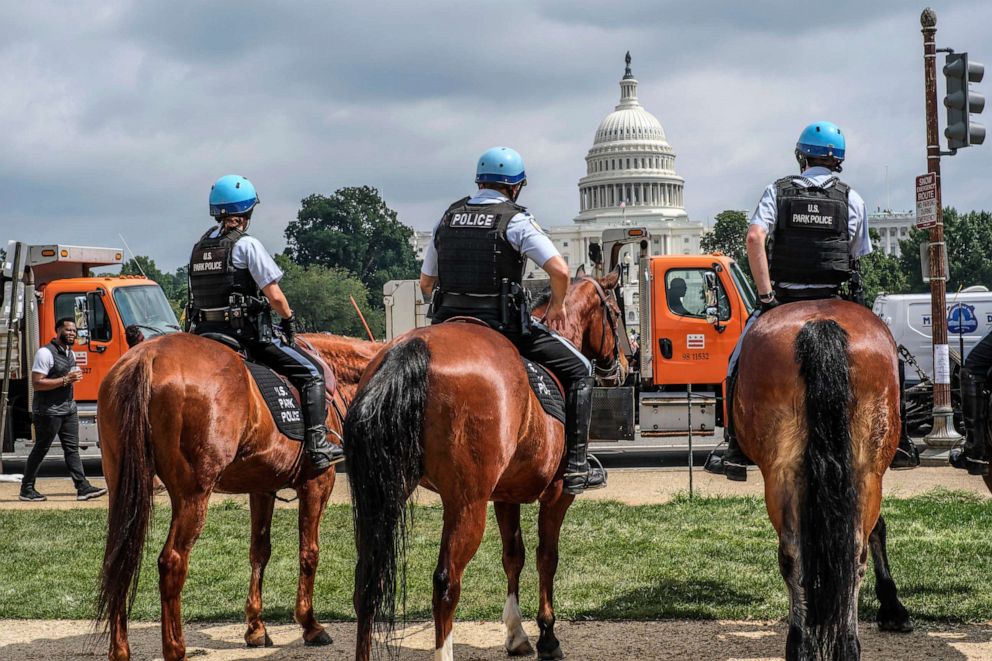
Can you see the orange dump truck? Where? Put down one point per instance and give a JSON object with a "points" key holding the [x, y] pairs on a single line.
{"points": [[55, 281], [687, 311]]}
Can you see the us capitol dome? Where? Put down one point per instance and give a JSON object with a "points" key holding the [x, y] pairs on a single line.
{"points": [[630, 180]]}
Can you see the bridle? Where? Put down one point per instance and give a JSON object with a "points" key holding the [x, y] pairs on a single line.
{"points": [[614, 370]]}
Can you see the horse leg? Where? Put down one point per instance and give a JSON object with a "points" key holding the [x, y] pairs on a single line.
{"points": [[460, 539], [549, 522], [313, 497], [188, 517], [892, 615], [258, 554], [508, 517], [791, 568]]}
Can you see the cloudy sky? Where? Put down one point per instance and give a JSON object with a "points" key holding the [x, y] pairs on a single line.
{"points": [[115, 117]]}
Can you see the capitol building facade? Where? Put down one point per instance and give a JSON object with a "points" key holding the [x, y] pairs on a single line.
{"points": [[630, 180]]}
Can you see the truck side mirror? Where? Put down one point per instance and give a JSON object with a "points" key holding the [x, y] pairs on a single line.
{"points": [[711, 296]]}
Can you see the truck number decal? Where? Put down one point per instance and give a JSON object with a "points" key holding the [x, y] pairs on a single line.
{"points": [[696, 355]]}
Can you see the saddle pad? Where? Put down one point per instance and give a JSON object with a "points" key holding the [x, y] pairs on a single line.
{"points": [[280, 399], [545, 386]]}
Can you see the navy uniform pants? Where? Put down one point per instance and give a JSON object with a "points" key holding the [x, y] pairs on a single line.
{"points": [[979, 360]]}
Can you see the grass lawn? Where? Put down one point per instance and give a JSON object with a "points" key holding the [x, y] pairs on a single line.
{"points": [[710, 558]]}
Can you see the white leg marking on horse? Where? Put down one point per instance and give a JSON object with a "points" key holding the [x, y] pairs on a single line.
{"points": [[515, 634], [446, 652]]}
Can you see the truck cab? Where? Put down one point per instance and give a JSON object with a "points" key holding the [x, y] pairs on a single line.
{"points": [[54, 281]]}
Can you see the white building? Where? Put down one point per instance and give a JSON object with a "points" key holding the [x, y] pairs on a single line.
{"points": [[892, 227], [630, 180]]}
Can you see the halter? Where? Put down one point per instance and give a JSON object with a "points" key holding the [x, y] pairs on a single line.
{"points": [[613, 371]]}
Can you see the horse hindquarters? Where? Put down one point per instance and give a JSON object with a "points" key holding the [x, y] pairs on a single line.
{"points": [[828, 511], [383, 450]]}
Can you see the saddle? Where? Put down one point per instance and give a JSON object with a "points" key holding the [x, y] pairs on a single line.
{"points": [[546, 386], [280, 396]]}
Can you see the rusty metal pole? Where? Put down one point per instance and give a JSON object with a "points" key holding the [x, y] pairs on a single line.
{"points": [[943, 434]]}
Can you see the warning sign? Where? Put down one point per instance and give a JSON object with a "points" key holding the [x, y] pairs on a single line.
{"points": [[926, 201]]}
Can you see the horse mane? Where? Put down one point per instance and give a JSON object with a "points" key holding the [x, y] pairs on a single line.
{"points": [[347, 356]]}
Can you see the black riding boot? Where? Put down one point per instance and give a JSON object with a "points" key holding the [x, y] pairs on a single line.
{"points": [[906, 456], [733, 462], [321, 453], [974, 455], [579, 475]]}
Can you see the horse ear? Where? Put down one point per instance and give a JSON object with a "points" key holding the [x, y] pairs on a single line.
{"points": [[580, 272], [610, 281]]}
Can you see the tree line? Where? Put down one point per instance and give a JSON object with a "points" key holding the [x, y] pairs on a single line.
{"points": [[967, 237], [342, 246]]}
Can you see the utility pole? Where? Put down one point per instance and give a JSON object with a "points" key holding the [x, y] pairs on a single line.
{"points": [[943, 434]]}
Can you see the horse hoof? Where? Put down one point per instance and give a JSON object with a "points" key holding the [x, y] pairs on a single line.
{"points": [[255, 642], [321, 639], [524, 648], [556, 653], [896, 626]]}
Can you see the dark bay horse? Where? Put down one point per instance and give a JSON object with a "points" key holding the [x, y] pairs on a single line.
{"points": [[822, 425], [184, 408], [449, 407]]}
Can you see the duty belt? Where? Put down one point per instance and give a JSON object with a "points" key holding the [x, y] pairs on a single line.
{"points": [[216, 314], [467, 301], [786, 295]]}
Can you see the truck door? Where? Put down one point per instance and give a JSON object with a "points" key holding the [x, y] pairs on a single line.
{"points": [[95, 353], [688, 349]]}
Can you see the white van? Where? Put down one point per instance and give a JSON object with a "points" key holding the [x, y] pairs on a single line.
{"points": [[909, 318]]}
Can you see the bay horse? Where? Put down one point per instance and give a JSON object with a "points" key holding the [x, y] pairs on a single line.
{"points": [[185, 408], [823, 426], [449, 407]]}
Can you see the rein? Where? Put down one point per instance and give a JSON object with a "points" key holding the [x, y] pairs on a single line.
{"points": [[613, 371]]}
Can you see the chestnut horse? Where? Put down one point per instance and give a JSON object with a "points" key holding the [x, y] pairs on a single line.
{"points": [[185, 408], [822, 426], [449, 407]]}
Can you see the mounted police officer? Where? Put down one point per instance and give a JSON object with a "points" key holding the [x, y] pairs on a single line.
{"points": [[476, 263], [804, 241], [974, 455], [233, 288]]}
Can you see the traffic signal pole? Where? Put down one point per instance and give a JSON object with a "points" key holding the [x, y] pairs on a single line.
{"points": [[943, 434]]}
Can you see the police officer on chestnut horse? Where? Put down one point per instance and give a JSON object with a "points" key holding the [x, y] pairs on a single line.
{"points": [[475, 266], [233, 288], [816, 230]]}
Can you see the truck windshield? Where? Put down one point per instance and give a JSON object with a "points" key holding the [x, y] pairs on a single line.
{"points": [[145, 306], [744, 287]]}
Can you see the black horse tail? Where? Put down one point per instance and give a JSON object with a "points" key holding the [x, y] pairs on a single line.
{"points": [[124, 405], [828, 508], [384, 455]]}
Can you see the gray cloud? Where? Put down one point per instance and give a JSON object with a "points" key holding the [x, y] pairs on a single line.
{"points": [[118, 116]]}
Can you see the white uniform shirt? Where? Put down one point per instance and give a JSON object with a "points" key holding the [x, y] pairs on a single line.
{"points": [[857, 217], [44, 361], [522, 232], [249, 253]]}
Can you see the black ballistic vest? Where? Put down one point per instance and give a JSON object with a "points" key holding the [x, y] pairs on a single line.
{"points": [[213, 279], [60, 400], [473, 254], [811, 242]]}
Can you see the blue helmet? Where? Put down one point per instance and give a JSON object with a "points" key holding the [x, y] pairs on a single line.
{"points": [[500, 165], [232, 195], [822, 139]]}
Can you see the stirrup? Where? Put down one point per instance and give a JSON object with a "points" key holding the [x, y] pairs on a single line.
{"points": [[977, 466]]}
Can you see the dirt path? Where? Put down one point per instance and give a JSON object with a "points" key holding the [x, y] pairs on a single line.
{"points": [[634, 486], [59, 640]]}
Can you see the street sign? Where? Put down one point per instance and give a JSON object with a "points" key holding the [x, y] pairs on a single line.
{"points": [[926, 201]]}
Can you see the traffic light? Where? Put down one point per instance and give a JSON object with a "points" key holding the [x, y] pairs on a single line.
{"points": [[961, 131]]}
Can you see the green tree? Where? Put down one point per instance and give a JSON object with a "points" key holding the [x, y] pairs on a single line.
{"points": [[967, 237], [174, 285], [729, 236], [320, 299], [882, 273], [353, 229]]}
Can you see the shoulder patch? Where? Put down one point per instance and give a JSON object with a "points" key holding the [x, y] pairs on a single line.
{"points": [[533, 223]]}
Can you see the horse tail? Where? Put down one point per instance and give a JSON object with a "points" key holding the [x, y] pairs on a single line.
{"points": [[383, 451], [828, 506], [127, 398]]}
